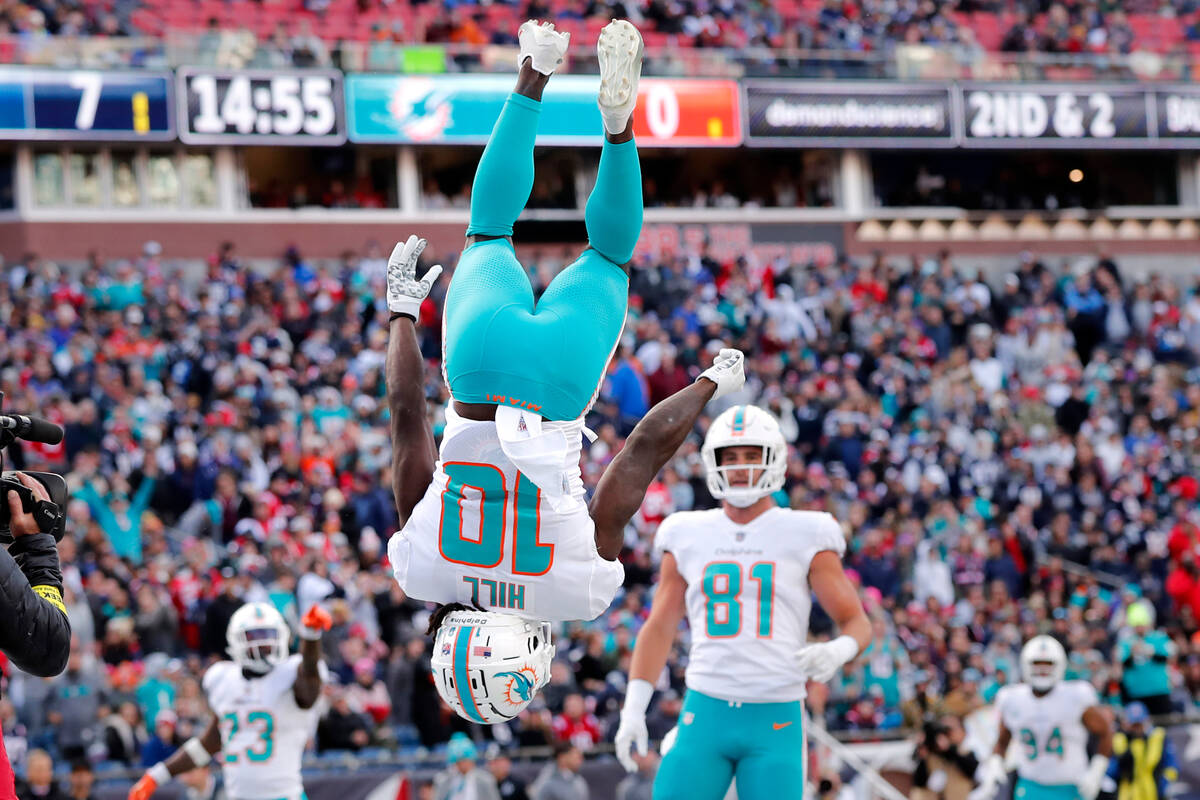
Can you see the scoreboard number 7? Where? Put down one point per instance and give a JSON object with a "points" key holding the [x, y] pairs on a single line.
{"points": [[90, 83]]}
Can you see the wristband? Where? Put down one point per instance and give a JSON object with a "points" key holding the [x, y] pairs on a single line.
{"points": [[397, 314], [196, 751], [637, 697], [159, 774], [311, 634], [847, 647]]}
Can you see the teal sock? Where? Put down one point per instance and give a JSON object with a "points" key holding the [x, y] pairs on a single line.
{"points": [[614, 210], [504, 177]]}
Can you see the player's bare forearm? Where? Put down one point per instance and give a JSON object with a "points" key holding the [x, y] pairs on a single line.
{"points": [[414, 452], [307, 688], [1005, 737], [653, 647], [1098, 723], [837, 596], [181, 762], [655, 639], [653, 441]]}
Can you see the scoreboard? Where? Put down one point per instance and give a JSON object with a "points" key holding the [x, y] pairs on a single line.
{"points": [[90, 105], [270, 107]]}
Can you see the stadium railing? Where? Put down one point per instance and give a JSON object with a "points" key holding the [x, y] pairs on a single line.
{"points": [[238, 49]]}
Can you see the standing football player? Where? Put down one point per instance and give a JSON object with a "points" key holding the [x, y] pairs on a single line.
{"points": [[1052, 720], [743, 574], [265, 708]]}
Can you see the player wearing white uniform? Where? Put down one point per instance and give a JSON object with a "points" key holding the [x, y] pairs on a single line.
{"points": [[743, 574], [265, 707], [496, 525], [1051, 720]]}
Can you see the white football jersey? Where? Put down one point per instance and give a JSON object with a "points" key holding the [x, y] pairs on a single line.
{"points": [[263, 731], [485, 532], [747, 597], [1048, 734]]}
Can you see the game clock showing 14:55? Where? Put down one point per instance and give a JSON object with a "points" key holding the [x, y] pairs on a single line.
{"points": [[268, 107]]}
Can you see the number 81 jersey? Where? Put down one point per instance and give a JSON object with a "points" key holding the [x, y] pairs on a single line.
{"points": [[747, 597], [263, 731], [1048, 734]]}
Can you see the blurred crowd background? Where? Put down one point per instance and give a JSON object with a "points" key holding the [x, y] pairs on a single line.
{"points": [[305, 33], [1007, 457]]}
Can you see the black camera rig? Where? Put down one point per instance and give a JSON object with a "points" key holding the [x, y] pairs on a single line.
{"points": [[51, 515]]}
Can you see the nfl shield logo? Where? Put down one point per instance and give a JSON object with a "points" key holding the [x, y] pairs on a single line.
{"points": [[741, 535], [446, 649]]}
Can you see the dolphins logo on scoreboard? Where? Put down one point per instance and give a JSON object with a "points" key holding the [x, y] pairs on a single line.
{"points": [[420, 110]]}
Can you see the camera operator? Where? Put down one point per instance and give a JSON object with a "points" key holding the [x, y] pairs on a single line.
{"points": [[34, 631], [945, 766]]}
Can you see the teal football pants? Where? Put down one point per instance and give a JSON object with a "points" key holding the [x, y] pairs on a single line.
{"points": [[759, 745], [550, 356], [1031, 790]]}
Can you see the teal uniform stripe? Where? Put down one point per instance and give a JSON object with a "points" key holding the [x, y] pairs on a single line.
{"points": [[462, 681], [739, 419]]}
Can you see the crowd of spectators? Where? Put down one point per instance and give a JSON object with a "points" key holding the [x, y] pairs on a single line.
{"points": [[969, 27], [1006, 457]]}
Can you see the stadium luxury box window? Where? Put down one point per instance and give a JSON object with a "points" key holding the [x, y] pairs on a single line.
{"points": [[123, 179]]}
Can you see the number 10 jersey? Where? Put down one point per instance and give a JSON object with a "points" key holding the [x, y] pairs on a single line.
{"points": [[485, 532]]}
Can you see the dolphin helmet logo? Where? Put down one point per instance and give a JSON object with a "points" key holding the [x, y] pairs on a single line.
{"points": [[521, 684]]}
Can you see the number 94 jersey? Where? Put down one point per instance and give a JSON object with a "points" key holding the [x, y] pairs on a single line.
{"points": [[747, 597], [1048, 734], [485, 532], [263, 731]]}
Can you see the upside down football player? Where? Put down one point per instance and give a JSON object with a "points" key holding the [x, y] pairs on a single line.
{"points": [[496, 525]]}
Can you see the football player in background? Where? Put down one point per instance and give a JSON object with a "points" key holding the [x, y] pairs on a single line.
{"points": [[1051, 719], [265, 708], [742, 574]]}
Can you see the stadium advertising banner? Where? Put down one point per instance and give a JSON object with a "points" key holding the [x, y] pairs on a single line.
{"points": [[841, 114], [437, 109], [302, 107], [89, 105], [1178, 115], [1055, 116]]}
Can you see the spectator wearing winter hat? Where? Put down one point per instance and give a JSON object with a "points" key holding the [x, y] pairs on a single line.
{"points": [[1144, 656], [463, 778]]}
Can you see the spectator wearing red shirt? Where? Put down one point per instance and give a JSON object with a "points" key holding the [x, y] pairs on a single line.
{"points": [[669, 378], [576, 725]]}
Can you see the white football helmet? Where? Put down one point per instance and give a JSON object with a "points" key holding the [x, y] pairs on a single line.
{"points": [[258, 637], [1043, 662], [488, 666], [745, 426]]}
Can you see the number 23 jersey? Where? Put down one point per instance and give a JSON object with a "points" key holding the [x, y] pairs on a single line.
{"points": [[1048, 732], [484, 531], [263, 731], [747, 597]]}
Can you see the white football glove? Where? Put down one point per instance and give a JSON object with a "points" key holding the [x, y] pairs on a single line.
{"points": [[989, 776], [728, 372], [820, 662], [631, 732], [404, 292], [1092, 780]]}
